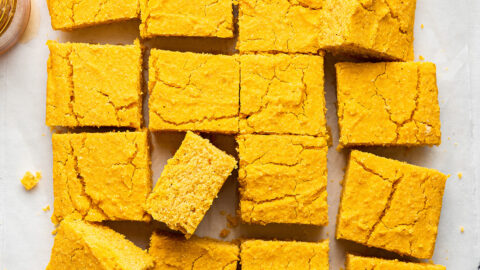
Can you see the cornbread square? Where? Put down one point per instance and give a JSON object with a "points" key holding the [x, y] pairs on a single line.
{"points": [[283, 179], [189, 183], [101, 176], [94, 85], [282, 94], [82, 245], [391, 205], [71, 14], [198, 18], [190, 91], [172, 251], [365, 263], [259, 254], [388, 104]]}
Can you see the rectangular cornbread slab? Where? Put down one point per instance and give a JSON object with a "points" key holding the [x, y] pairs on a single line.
{"points": [[283, 179], [94, 85], [83, 245], [196, 18], [171, 251], [101, 176], [191, 91], [391, 205], [71, 14], [354, 262], [393, 104], [259, 254], [282, 94], [189, 183]]}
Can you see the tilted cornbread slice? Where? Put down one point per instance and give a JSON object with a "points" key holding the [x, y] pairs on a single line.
{"points": [[367, 263], [259, 254], [191, 91], [172, 251], [82, 245], [101, 176], [388, 104], [197, 18], [283, 179], [391, 205], [94, 85], [189, 183]]}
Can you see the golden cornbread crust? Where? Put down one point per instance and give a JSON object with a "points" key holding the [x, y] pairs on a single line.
{"points": [[82, 245], [101, 176], [367, 263], [71, 14], [190, 91], [200, 18], [283, 179], [282, 94], [388, 104], [94, 85], [172, 251], [391, 205], [259, 254], [189, 183]]}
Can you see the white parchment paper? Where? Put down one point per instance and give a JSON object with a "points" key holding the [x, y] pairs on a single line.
{"points": [[450, 38]]}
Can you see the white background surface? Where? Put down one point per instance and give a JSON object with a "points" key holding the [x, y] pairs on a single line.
{"points": [[450, 38]]}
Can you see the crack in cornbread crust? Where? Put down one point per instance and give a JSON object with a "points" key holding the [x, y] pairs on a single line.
{"points": [[368, 263], [104, 92], [282, 94], [203, 18], [172, 251], [259, 254], [189, 183], [101, 176], [72, 14], [190, 91], [391, 205], [283, 179], [388, 104]]}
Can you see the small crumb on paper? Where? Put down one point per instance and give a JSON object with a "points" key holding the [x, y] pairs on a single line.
{"points": [[462, 229], [422, 26], [232, 221], [46, 208], [29, 181], [224, 233], [421, 57], [460, 175]]}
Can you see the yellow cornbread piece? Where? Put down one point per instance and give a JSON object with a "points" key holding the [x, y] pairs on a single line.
{"points": [[94, 85], [71, 14], [189, 183], [366, 263], [200, 18], [259, 254], [174, 252], [391, 205], [282, 94], [378, 29], [388, 104], [82, 245], [101, 176], [283, 179], [30, 181], [190, 91]]}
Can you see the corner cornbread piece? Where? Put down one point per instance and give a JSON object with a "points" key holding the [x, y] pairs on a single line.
{"points": [[82, 245], [189, 183], [283, 179], [172, 251], [366, 263], [388, 104], [101, 176], [200, 18], [259, 254], [71, 14], [94, 85], [391, 205], [190, 91], [282, 94]]}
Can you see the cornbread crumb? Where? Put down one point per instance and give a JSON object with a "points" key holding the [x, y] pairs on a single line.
{"points": [[232, 221], [422, 26], [460, 175], [46, 208], [29, 181], [224, 233], [421, 57], [462, 229], [354, 262]]}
